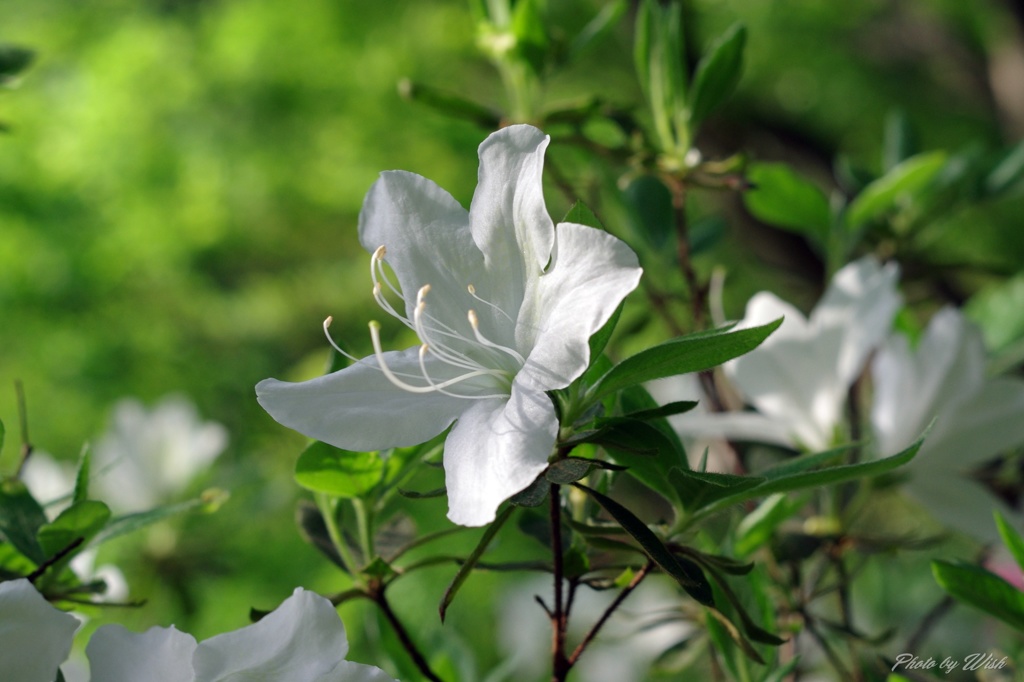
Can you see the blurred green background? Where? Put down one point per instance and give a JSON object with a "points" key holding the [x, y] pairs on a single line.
{"points": [[181, 180]]}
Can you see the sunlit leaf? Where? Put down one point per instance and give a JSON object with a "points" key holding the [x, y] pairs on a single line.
{"points": [[982, 590], [718, 72], [783, 198]]}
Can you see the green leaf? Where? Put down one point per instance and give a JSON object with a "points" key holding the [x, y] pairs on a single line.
{"points": [[666, 410], [568, 470], [900, 142], [882, 195], [783, 479], [982, 590], [21, 517], [1011, 538], [598, 27], [783, 198], [698, 489], [599, 340], [531, 34], [313, 529], [13, 60], [82, 476], [999, 311], [129, 523], [532, 495], [650, 210], [692, 353], [471, 561], [757, 527], [1007, 172], [83, 520], [323, 468], [717, 73], [581, 214], [450, 104], [685, 572]]}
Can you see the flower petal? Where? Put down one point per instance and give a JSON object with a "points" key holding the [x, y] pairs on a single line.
{"points": [[510, 222], [496, 449], [156, 655], [358, 408], [590, 273], [347, 671], [428, 241], [300, 640], [862, 298], [35, 637]]}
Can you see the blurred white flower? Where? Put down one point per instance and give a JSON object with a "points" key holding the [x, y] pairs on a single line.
{"points": [[50, 482], [149, 456], [302, 640], [798, 379], [977, 418], [35, 637]]}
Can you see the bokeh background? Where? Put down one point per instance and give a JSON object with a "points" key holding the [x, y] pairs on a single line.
{"points": [[180, 182]]}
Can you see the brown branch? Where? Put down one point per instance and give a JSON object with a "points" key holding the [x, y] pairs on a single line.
{"points": [[560, 665], [621, 597], [375, 592]]}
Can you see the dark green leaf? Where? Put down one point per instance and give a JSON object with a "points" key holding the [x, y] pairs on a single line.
{"points": [[13, 60], [21, 517], [666, 410], [313, 530], [882, 195], [1007, 173], [529, 29], [717, 73], [757, 527], [900, 140], [685, 572], [378, 569], [323, 468], [417, 495], [1011, 538], [597, 28], [982, 590], [83, 520], [467, 567], [650, 210], [721, 625], [698, 489], [783, 198], [533, 495], [691, 353], [567, 470]]}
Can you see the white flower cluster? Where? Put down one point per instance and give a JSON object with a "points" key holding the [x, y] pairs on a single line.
{"points": [[303, 640], [799, 379]]}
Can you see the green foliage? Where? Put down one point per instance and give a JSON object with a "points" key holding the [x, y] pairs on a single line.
{"points": [[902, 183], [982, 590], [783, 198], [323, 468], [717, 73]]}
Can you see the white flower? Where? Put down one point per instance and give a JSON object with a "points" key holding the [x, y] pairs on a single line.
{"points": [[303, 640], [976, 419], [35, 638], [503, 304], [798, 379], [148, 456]]}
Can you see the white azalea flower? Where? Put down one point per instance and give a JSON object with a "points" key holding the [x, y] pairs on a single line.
{"points": [[504, 305], [798, 379], [35, 637], [149, 456], [976, 419], [303, 640]]}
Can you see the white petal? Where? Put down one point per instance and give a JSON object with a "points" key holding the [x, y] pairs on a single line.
{"points": [[791, 377], [300, 640], [157, 655], [862, 299], [358, 408], [961, 503], [590, 273], [35, 637], [428, 241], [742, 426], [510, 222], [347, 671], [495, 450]]}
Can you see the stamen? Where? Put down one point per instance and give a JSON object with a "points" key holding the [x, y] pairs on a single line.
{"points": [[327, 324], [472, 292], [440, 388], [475, 324]]}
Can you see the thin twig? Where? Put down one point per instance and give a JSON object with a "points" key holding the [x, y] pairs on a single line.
{"points": [[376, 593], [26, 442], [559, 663], [621, 597], [72, 546]]}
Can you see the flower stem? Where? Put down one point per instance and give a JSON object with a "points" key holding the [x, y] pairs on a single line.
{"points": [[560, 664], [375, 592]]}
